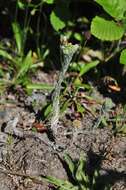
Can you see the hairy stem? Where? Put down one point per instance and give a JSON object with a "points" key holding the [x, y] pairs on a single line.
{"points": [[67, 52]]}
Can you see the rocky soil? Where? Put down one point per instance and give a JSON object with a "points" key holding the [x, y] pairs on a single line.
{"points": [[24, 152]]}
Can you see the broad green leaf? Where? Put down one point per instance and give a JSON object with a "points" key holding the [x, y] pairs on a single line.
{"points": [[25, 65], [106, 30], [17, 35], [49, 1], [123, 57], [87, 67], [78, 36], [21, 5], [41, 86], [56, 22], [33, 11], [60, 15], [116, 8]]}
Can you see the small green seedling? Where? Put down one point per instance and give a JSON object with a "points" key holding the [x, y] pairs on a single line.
{"points": [[19, 64], [77, 170]]}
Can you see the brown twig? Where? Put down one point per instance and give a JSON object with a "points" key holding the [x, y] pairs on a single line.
{"points": [[33, 178]]}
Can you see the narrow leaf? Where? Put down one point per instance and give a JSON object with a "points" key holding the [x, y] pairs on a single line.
{"points": [[41, 86], [25, 65], [80, 174], [47, 110], [123, 57], [63, 184], [17, 35], [70, 163], [87, 67], [6, 55]]}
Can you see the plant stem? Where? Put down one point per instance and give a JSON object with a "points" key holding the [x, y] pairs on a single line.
{"points": [[67, 52]]}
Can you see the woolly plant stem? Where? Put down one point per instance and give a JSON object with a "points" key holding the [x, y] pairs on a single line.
{"points": [[67, 52]]}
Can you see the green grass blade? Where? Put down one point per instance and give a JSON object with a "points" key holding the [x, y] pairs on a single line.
{"points": [[80, 174], [70, 163], [62, 184], [47, 110], [25, 65], [87, 67], [18, 36], [6, 55], [96, 175], [41, 86]]}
